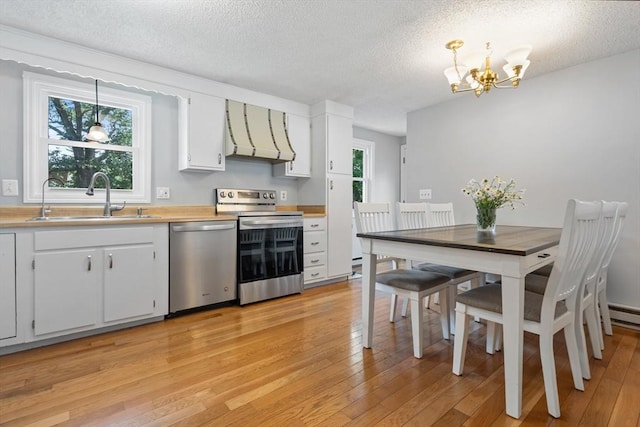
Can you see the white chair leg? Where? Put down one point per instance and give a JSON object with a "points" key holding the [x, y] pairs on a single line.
{"points": [[498, 337], [595, 332], [453, 292], [460, 341], [405, 307], [582, 347], [416, 327], [392, 308], [604, 312], [549, 372], [490, 345], [445, 312], [574, 358]]}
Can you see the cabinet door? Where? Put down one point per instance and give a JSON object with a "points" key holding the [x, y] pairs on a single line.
{"points": [[7, 286], [339, 144], [128, 282], [202, 132], [66, 290], [339, 196]]}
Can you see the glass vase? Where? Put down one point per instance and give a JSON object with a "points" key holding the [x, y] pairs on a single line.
{"points": [[486, 219]]}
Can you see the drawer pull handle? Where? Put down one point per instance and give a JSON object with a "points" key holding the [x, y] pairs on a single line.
{"points": [[544, 256], [315, 243], [110, 260], [314, 225], [313, 261], [315, 274], [89, 264]]}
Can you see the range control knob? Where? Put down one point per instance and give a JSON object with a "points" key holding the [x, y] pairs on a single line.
{"points": [[272, 196], [222, 195], [264, 195], [230, 194]]}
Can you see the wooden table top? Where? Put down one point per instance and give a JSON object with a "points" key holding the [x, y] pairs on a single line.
{"points": [[508, 239]]}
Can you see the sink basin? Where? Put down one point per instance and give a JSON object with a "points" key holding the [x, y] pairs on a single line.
{"points": [[89, 218]]}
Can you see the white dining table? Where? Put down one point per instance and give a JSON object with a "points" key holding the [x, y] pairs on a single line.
{"points": [[511, 251]]}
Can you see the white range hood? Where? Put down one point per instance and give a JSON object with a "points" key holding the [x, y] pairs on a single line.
{"points": [[257, 132]]}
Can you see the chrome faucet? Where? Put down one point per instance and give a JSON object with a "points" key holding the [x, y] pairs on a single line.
{"points": [[107, 205], [44, 211]]}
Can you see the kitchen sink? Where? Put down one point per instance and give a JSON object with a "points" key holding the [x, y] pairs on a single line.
{"points": [[89, 218]]}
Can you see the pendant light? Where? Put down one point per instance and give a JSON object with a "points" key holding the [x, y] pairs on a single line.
{"points": [[97, 132]]}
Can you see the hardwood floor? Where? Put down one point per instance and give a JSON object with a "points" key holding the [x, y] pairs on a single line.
{"points": [[298, 361]]}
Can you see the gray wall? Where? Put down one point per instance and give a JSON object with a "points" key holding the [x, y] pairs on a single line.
{"points": [[574, 133], [187, 188], [386, 185]]}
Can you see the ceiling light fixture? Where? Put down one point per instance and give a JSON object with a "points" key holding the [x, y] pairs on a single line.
{"points": [[97, 132], [482, 80]]}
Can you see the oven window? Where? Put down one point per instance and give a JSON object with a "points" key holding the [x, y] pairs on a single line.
{"points": [[268, 253]]}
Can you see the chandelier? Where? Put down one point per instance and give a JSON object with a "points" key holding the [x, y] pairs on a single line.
{"points": [[481, 80]]}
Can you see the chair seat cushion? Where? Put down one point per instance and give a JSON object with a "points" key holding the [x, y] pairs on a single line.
{"points": [[489, 298], [544, 271], [535, 283], [411, 280], [451, 272]]}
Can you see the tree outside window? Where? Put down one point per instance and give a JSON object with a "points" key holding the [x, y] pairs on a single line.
{"points": [[363, 153]]}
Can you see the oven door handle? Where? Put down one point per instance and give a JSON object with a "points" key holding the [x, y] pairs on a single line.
{"points": [[209, 227], [270, 223]]}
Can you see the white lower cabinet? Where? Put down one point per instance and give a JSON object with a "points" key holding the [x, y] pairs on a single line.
{"points": [[7, 286], [66, 290], [315, 250], [77, 279]]}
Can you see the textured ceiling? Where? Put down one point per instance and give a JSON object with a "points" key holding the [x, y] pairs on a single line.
{"points": [[383, 57]]}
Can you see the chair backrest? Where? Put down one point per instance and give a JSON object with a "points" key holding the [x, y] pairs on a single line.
{"points": [[621, 215], [372, 217], [440, 214], [605, 236], [580, 232], [411, 215]]}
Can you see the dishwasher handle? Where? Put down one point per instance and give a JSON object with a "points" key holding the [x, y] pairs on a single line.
{"points": [[202, 227]]}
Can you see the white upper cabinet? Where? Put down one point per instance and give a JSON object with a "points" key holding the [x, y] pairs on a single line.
{"points": [[202, 131], [299, 131], [339, 142]]}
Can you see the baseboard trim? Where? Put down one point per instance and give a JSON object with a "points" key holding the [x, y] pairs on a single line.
{"points": [[625, 316]]}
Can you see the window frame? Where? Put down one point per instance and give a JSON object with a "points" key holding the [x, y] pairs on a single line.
{"points": [[37, 88], [368, 161]]}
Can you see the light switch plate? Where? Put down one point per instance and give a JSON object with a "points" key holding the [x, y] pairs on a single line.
{"points": [[163, 193], [425, 194], [10, 187]]}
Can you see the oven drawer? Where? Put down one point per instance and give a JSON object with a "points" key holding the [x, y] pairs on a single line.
{"points": [[315, 241], [313, 274], [315, 259]]}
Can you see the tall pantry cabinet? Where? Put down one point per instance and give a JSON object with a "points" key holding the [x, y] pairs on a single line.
{"points": [[330, 182]]}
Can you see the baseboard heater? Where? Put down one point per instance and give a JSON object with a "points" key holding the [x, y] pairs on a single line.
{"points": [[625, 316]]}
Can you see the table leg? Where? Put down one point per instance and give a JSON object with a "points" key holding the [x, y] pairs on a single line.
{"points": [[513, 320], [368, 297]]}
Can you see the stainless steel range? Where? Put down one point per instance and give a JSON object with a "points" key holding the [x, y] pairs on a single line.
{"points": [[269, 244]]}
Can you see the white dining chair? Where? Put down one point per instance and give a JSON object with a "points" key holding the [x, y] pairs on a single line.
{"points": [[602, 305], [414, 285], [546, 314], [425, 215]]}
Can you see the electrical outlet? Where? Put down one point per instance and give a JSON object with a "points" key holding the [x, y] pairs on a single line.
{"points": [[425, 194], [283, 195], [163, 193], [9, 187]]}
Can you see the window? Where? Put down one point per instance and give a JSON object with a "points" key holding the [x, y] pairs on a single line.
{"points": [[57, 116], [362, 170]]}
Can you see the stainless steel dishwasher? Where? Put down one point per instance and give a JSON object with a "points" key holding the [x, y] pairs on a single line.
{"points": [[202, 264]]}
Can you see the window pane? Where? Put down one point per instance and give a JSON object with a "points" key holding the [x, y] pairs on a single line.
{"points": [[358, 163], [71, 120], [357, 191], [76, 165]]}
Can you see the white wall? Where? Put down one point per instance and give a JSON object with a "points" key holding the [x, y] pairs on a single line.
{"points": [[574, 133]]}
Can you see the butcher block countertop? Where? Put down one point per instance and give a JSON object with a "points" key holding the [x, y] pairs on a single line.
{"points": [[20, 216]]}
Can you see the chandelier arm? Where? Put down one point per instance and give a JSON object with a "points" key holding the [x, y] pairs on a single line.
{"points": [[469, 89]]}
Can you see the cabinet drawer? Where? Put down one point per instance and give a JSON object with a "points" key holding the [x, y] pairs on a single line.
{"points": [[315, 224], [315, 241], [315, 259], [313, 274]]}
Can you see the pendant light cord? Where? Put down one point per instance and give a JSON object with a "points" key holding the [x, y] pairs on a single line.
{"points": [[97, 107]]}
